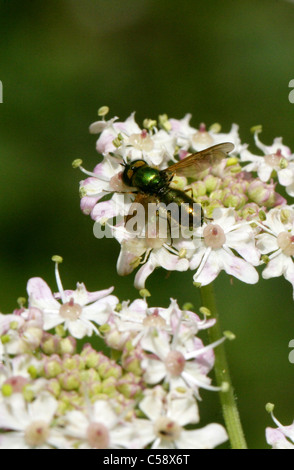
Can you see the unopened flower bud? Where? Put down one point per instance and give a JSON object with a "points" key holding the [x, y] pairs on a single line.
{"points": [[261, 193], [70, 362], [109, 369], [53, 386], [250, 211], [236, 200], [198, 189], [52, 366], [130, 385], [108, 386], [50, 343], [67, 345], [90, 356], [211, 183], [70, 380], [131, 361]]}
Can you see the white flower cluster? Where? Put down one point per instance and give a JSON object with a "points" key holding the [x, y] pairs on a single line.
{"points": [[246, 222], [53, 397]]}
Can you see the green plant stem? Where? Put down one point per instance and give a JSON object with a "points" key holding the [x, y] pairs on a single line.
{"points": [[227, 398]]}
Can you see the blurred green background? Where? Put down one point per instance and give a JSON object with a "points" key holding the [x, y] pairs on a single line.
{"points": [[222, 61]]}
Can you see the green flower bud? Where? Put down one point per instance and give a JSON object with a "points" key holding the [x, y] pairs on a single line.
{"points": [[198, 189], [70, 380], [52, 366], [211, 183], [53, 386], [67, 345]]}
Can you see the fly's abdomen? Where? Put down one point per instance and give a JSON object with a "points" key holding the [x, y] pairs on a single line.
{"points": [[182, 208]]}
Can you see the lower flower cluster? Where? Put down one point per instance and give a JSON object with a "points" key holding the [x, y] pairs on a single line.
{"points": [[61, 393]]}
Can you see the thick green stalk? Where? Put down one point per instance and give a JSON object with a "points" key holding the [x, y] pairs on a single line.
{"points": [[227, 398]]}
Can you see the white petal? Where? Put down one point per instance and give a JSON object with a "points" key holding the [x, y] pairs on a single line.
{"points": [[210, 270], [183, 410], [208, 437], [264, 172], [13, 440], [78, 329], [169, 261], [40, 294], [286, 176], [52, 319], [76, 424], [239, 268], [266, 243], [155, 371], [13, 413], [143, 274], [43, 408], [275, 267], [103, 412]]}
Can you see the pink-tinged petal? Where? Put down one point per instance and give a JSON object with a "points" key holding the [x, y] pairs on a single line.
{"points": [[87, 204], [139, 306], [82, 297], [197, 257], [107, 168], [5, 321], [210, 270], [104, 211], [129, 126], [242, 241], [129, 257], [286, 176], [267, 243], [169, 261], [40, 294], [143, 274], [94, 186], [275, 267], [239, 268], [104, 144], [99, 126], [276, 438]]}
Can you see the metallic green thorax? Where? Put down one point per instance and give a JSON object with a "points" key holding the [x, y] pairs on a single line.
{"points": [[139, 175], [153, 182]]}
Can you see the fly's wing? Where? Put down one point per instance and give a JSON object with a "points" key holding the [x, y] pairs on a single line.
{"points": [[200, 161]]}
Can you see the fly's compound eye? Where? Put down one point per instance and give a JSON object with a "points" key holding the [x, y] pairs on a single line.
{"points": [[130, 169]]}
